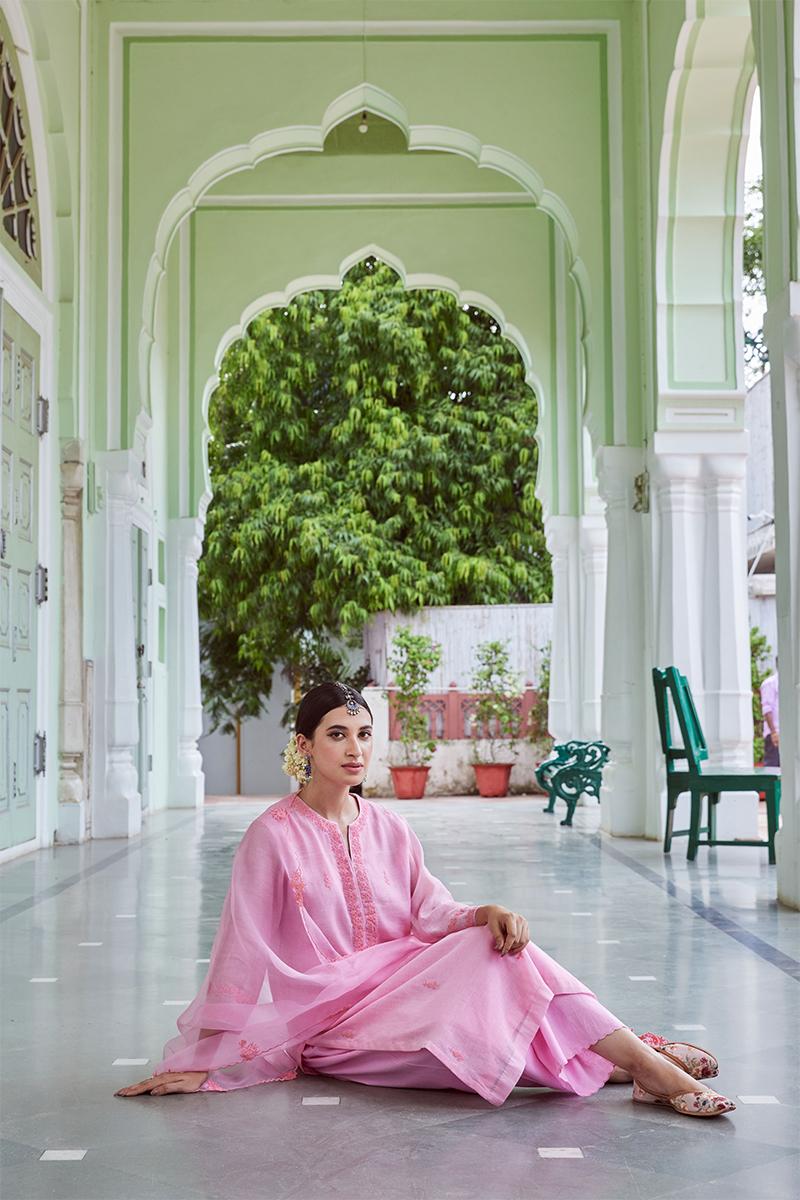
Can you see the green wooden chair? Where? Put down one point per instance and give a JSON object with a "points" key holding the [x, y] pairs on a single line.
{"points": [[572, 769], [694, 780]]}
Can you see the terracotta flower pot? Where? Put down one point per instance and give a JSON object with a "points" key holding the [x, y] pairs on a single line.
{"points": [[409, 782], [493, 778]]}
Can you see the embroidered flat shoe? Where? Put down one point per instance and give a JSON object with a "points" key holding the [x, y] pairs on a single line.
{"points": [[694, 1060], [689, 1104]]}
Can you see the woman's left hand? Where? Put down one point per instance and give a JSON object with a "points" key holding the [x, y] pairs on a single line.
{"points": [[509, 929], [166, 1083]]}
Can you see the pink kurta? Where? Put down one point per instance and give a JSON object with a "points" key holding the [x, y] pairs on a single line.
{"points": [[367, 968]]}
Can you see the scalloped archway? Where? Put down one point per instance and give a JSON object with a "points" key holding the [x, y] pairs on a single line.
{"points": [[294, 139], [411, 280]]}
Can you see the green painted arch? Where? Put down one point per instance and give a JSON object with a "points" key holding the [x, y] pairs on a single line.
{"points": [[294, 139], [700, 209], [411, 280]]}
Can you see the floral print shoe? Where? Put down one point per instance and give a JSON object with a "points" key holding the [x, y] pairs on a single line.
{"points": [[689, 1104], [694, 1060]]}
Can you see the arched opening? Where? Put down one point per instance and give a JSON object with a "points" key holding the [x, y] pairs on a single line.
{"points": [[372, 449]]}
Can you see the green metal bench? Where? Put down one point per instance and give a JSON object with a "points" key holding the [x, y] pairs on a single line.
{"points": [[670, 683], [573, 768]]}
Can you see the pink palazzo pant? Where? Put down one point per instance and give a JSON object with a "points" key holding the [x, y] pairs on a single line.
{"points": [[558, 1057]]}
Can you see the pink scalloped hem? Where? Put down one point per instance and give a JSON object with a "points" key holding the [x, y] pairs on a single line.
{"points": [[211, 1086]]}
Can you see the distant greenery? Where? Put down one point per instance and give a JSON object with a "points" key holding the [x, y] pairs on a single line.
{"points": [[539, 715], [373, 448], [496, 706], [756, 356], [760, 654], [414, 657]]}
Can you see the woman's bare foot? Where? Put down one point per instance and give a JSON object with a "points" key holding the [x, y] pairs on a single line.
{"points": [[633, 1058], [620, 1076]]}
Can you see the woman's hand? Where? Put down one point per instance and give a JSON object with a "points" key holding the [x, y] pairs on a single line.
{"points": [[169, 1081], [510, 930]]}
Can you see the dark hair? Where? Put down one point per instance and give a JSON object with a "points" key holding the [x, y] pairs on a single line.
{"points": [[320, 700]]}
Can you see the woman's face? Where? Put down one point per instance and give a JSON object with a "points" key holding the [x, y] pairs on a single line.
{"points": [[340, 748]]}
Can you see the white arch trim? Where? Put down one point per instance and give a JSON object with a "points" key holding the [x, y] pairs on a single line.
{"points": [[296, 138], [411, 280], [700, 216]]}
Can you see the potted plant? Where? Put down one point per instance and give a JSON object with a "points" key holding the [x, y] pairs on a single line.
{"points": [[538, 733], [495, 710], [414, 656]]}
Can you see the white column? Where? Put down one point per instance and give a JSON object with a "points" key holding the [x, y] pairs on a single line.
{"points": [[726, 625], [117, 811], [72, 815], [187, 785], [702, 617], [593, 561], [564, 710], [783, 339], [625, 696]]}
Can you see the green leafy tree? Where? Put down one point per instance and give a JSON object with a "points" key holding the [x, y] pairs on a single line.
{"points": [[760, 655], [414, 656], [373, 448]]}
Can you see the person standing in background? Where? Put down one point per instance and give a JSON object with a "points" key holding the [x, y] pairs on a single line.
{"points": [[769, 709]]}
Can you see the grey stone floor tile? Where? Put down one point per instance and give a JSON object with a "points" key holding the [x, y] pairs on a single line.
{"points": [[777, 1181], [87, 1180], [59, 1041], [14, 1153]]}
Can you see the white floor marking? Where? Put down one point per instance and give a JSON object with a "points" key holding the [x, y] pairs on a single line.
{"points": [[125, 916], [174, 1002], [688, 1028], [581, 914], [197, 960], [62, 1156], [560, 1152], [611, 942], [130, 1062], [320, 1099], [44, 979], [758, 1099], [641, 978], [562, 891], [90, 943]]}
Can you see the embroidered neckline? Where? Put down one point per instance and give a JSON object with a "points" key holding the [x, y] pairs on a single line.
{"points": [[359, 899], [299, 802]]}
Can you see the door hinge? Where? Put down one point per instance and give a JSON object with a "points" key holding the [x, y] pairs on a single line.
{"points": [[42, 415], [149, 576], [40, 754], [2, 543], [41, 583]]}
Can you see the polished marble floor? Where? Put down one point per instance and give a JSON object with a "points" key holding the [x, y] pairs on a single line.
{"points": [[104, 944]]}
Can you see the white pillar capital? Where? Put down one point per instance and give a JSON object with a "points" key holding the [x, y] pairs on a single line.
{"points": [[617, 468], [560, 533]]}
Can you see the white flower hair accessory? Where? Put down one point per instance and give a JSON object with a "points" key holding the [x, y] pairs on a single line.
{"points": [[295, 764]]}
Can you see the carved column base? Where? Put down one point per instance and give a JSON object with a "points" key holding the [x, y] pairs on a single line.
{"points": [[120, 814], [71, 800]]}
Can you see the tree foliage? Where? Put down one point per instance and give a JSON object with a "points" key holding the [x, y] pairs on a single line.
{"points": [[760, 654], [756, 355], [373, 448]]}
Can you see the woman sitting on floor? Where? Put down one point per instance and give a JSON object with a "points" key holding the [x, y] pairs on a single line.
{"points": [[338, 953]]}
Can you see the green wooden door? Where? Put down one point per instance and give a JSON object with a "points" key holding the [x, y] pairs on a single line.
{"points": [[19, 519]]}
